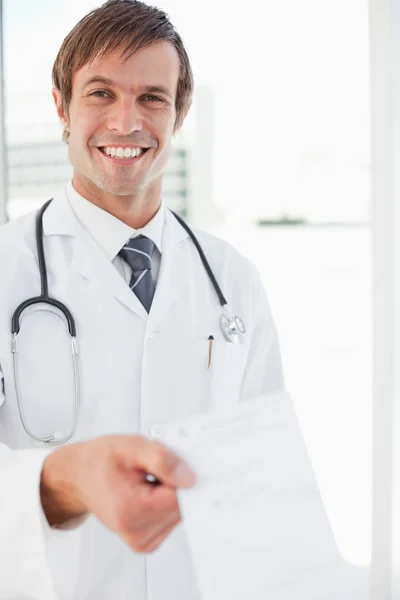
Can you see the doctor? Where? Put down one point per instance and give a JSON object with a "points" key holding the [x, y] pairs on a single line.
{"points": [[78, 518]]}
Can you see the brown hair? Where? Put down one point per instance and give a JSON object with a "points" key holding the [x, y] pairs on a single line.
{"points": [[117, 23]]}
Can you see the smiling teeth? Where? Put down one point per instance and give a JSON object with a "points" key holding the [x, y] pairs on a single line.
{"points": [[123, 152]]}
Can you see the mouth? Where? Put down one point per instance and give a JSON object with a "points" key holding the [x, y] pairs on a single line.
{"points": [[128, 155]]}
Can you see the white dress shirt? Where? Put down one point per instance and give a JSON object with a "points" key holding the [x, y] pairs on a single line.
{"points": [[111, 234]]}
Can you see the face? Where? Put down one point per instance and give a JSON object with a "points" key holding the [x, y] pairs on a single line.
{"points": [[121, 122]]}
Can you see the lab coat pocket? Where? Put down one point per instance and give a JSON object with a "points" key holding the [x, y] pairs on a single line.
{"points": [[227, 369]]}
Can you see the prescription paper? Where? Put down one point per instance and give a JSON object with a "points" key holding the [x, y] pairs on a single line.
{"points": [[255, 521]]}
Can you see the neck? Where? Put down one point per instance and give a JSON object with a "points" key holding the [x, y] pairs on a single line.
{"points": [[136, 210]]}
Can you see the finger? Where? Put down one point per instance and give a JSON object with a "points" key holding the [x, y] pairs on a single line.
{"points": [[166, 466], [140, 538], [159, 498], [153, 530], [159, 539], [153, 505], [158, 536]]}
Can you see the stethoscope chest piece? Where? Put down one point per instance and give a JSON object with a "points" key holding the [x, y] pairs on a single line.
{"points": [[232, 328]]}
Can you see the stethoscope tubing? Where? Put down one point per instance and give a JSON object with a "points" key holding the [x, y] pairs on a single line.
{"points": [[204, 260], [44, 294], [228, 326]]}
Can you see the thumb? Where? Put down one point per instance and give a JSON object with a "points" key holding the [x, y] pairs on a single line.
{"points": [[166, 466]]}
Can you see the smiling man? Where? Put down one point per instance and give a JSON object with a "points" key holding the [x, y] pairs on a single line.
{"points": [[88, 491], [119, 128]]}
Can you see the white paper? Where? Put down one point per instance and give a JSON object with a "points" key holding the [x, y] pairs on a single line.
{"points": [[255, 521]]}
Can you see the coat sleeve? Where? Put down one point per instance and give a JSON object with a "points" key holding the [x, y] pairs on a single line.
{"points": [[24, 569], [263, 373]]}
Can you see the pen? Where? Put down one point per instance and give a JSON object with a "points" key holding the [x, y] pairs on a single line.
{"points": [[210, 344], [151, 479]]}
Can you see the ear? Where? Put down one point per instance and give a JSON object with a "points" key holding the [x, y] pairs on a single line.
{"points": [[58, 103], [176, 129]]}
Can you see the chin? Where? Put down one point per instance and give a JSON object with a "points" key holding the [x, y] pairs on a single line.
{"points": [[119, 188]]}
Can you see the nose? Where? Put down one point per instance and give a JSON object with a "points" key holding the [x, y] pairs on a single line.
{"points": [[125, 117]]}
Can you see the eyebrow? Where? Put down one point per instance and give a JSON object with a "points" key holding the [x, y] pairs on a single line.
{"points": [[149, 89]]}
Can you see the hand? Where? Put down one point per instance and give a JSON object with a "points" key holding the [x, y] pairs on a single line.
{"points": [[106, 477]]}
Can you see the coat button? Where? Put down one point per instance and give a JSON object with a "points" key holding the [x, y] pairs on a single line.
{"points": [[156, 432], [154, 334]]}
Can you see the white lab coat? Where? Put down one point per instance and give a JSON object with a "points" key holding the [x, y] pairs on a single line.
{"points": [[136, 373]]}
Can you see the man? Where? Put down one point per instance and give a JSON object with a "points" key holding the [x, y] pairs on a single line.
{"points": [[81, 521]]}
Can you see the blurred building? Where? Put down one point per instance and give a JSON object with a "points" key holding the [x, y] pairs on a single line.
{"points": [[36, 170]]}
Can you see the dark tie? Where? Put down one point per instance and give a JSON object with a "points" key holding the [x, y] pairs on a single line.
{"points": [[137, 252]]}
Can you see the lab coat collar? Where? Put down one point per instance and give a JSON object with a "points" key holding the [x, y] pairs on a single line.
{"points": [[90, 261], [109, 232], [59, 218]]}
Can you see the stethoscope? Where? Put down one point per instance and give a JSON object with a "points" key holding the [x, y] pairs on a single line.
{"points": [[232, 327]]}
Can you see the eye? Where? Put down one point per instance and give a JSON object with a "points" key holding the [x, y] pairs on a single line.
{"points": [[153, 98], [100, 94]]}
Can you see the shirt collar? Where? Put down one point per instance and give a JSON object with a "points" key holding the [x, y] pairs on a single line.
{"points": [[110, 233]]}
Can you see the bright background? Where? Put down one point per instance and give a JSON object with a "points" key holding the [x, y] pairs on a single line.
{"points": [[279, 133]]}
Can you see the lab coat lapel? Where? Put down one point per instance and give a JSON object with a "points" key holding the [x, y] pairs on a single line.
{"points": [[88, 260], [174, 270]]}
